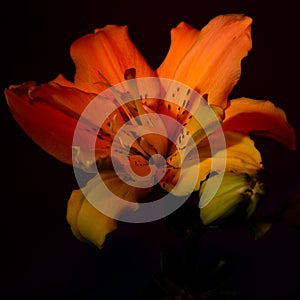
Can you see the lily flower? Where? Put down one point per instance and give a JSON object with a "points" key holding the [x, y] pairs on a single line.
{"points": [[207, 61]]}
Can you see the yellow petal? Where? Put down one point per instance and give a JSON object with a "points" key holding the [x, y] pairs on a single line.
{"points": [[93, 224], [193, 132], [259, 117], [212, 64], [74, 204], [185, 180], [240, 156], [92, 211], [87, 223]]}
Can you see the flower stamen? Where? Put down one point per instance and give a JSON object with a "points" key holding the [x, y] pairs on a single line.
{"points": [[130, 76]]}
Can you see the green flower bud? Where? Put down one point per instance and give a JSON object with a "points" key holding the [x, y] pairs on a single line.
{"points": [[235, 200]]}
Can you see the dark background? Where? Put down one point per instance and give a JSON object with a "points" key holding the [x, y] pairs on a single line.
{"points": [[40, 257]]}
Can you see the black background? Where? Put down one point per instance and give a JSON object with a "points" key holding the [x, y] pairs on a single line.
{"points": [[40, 257]]}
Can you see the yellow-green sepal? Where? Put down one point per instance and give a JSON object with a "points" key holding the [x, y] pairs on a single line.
{"points": [[235, 200]]}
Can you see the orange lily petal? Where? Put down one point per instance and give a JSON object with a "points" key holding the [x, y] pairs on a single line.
{"points": [[183, 38], [67, 99], [260, 117], [103, 57], [212, 65], [61, 80], [50, 128], [49, 115]]}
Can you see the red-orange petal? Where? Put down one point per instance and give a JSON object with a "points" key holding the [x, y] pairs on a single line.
{"points": [[259, 117], [51, 129], [49, 115], [103, 57], [212, 63], [61, 80]]}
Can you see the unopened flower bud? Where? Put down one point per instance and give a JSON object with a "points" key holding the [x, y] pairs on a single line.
{"points": [[235, 200]]}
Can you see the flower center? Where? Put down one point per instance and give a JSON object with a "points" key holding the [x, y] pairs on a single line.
{"points": [[157, 160]]}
